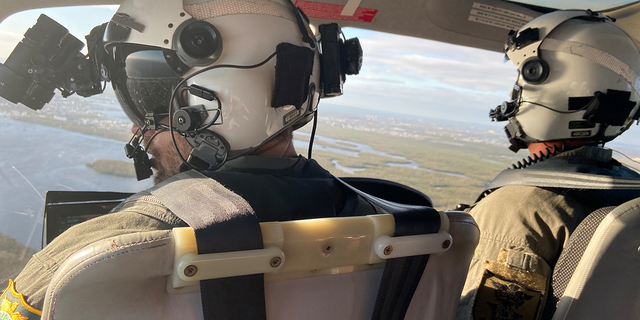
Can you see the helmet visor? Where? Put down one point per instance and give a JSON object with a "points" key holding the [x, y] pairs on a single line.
{"points": [[143, 79]]}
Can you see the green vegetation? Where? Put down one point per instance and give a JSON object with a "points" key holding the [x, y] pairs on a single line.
{"points": [[459, 170], [13, 257], [75, 127], [471, 165], [478, 162], [113, 167]]}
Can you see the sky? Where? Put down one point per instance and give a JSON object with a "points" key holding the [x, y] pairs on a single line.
{"points": [[400, 74]]}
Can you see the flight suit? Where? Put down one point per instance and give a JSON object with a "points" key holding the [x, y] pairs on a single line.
{"points": [[523, 231], [278, 189]]}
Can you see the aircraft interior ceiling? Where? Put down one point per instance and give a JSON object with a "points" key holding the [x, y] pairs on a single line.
{"points": [[480, 24]]}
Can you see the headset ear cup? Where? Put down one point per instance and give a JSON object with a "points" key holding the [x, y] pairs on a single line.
{"points": [[197, 42], [535, 71]]}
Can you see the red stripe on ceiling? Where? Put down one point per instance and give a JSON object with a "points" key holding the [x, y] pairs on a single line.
{"points": [[332, 11]]}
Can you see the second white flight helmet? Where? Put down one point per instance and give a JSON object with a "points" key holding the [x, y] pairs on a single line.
{"points": [[578, 79]]}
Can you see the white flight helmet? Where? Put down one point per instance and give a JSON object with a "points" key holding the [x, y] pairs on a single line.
{"points": [[240, 71], [578, 79]]}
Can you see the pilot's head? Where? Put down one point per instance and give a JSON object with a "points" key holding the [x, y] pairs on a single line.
{"points": [[240, 73], [577, 84]]}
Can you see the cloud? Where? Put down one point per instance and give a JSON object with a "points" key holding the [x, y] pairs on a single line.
{"points": [[8, 41], [111, 7], [435, 102], [435, 62], [427, 78]]}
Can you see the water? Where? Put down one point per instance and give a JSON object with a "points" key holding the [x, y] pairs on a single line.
{"points": [[36, 159], [349, 170], [413, 165]]}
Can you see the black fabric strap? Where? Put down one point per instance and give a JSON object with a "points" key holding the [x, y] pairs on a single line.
{"points": [[401, 276], [223, 222]]}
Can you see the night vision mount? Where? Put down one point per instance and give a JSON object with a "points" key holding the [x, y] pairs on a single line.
{"points": [[49, 58]]}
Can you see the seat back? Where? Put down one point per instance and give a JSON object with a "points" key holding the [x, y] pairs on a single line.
{"points": [[130, 277], [605, 283], [570, 257]]}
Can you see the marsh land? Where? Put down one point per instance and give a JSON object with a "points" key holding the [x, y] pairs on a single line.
{"points": [[450, 162]]}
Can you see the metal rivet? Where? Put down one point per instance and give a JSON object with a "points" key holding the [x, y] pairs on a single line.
{"points": [[275, 262], [327, 248], [190, 270], [166, 41], [181, 120], [80, 67], [170, 25], [387, 250], [446, 244]]}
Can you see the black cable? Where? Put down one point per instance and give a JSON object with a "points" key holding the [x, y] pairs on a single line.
{"points": [[146, 149], [213, 120], [313, 132], [554, 110], [298, 13], [173, 94], [44, 219], [537, 157]]}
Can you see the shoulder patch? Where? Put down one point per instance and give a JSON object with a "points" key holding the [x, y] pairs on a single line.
{"points": [[14, 307], [510, 295]]}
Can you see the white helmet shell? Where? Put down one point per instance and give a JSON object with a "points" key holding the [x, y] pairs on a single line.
{"points": [[239, 71], [570, 63]]}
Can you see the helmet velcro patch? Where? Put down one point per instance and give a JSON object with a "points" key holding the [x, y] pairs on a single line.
{"points": [[202, 10]]}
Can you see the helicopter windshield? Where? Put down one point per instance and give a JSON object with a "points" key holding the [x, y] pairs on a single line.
{"points": [[417, 114]]}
